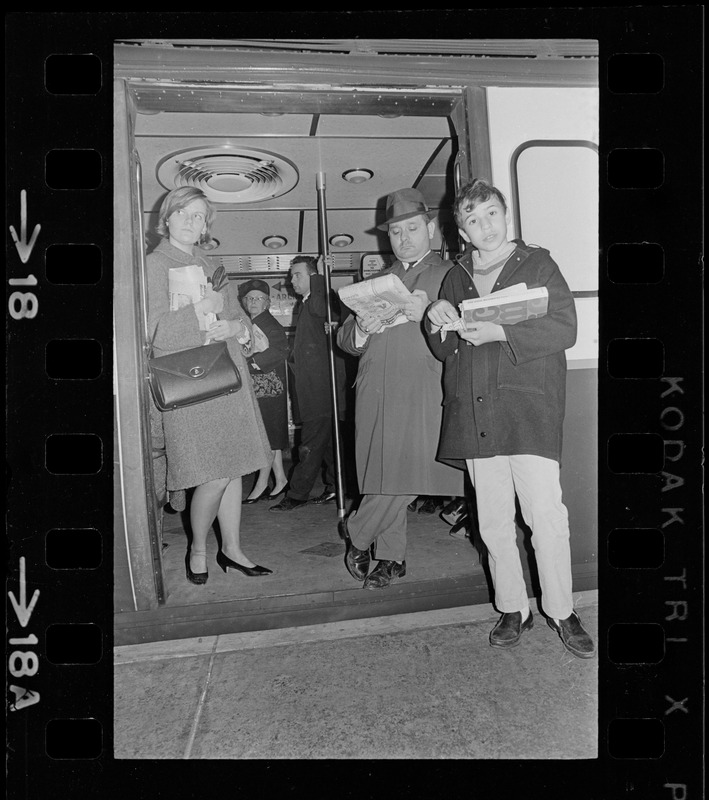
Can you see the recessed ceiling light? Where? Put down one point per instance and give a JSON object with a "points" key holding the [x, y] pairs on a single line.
{"points": [[357, 175], [274, 242], [341, 240]]}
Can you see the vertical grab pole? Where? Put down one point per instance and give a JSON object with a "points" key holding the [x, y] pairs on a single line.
{"points": [[324, 249]]}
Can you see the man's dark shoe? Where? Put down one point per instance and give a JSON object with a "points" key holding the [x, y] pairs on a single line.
{"points": [[575, 638], [454, 511], [460, 529], [384, 573], [357, 561], [429, 506], [325, 497], [510, 628], [287, 504]]}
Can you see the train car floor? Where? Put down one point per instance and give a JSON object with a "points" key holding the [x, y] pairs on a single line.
{"points": [[425, 685], [306, 554], [309, 583]]}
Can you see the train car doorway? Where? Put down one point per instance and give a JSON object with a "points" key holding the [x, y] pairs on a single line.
{"points": [[205, 117]]}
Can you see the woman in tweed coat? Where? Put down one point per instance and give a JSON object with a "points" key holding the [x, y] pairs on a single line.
{"points": [[210, 446]]}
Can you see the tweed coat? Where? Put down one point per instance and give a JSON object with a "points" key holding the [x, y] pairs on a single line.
{"points": [[274, 410], [221, 438], [398, 400], [507, 398], [310, 359]]}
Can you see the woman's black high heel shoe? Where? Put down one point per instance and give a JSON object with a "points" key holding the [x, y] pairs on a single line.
{"points": [[264, 494], [252, 572], [197, 578], [280, 491]]}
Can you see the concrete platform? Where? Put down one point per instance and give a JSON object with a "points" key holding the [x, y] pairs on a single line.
{"points": [[413, 686]]}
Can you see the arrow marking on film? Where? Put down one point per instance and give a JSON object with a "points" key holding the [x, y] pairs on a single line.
{"points": [[22, 610], [23, 698], [23, 248]]}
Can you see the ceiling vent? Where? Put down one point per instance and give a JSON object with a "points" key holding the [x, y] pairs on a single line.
{"points": [[228, 173]]}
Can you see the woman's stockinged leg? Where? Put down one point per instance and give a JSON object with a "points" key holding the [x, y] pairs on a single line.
{"points": [[206, 500], [278, 471], [229, 516], [261, 483]]}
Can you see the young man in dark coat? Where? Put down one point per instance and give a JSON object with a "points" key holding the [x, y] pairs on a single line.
{"points": [[398, 402], [312, 403], [503, 413]]}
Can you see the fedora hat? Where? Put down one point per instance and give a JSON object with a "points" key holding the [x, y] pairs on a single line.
{"points": [[254, 286], [403, 204]]}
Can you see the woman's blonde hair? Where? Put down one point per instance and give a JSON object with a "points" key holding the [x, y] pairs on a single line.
{"points": [[179, 198]]}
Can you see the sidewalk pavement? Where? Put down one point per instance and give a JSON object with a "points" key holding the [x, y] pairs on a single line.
{"points": [[424, 685]]}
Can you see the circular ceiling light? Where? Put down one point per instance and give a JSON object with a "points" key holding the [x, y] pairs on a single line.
{"points": [[274, 242], [229, 174], [341, 240], [357, 175]]}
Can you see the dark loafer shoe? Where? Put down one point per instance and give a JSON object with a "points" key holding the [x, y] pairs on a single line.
{"points": [[357, 561], [510, 628], [287, 504], [574, 636], [384, 573], [325, 497]]}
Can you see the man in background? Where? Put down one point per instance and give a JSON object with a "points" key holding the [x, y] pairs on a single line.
{"points": [[311, 400]]}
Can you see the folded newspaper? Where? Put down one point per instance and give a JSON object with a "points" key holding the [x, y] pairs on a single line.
{"points": [[188, 285], [383, 297], [505, 307]]}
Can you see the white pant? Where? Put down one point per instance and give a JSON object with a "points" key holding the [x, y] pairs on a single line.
{"points": [[536, 483]]}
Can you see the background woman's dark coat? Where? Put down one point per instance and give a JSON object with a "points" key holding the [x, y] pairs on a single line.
{"points": [[274, 410]]}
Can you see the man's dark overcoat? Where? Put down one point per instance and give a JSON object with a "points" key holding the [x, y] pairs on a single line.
{"points": [[309, 358], [398, 400]]}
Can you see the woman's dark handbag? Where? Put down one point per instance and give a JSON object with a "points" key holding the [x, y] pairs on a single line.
{"points": [[193, 376], [267, 384]]}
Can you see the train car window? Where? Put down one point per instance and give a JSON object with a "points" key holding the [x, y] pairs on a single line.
{"points": [[556, 205]]}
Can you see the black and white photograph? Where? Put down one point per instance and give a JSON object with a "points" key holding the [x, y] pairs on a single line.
{"points": [[385, 502], [355, 403]]}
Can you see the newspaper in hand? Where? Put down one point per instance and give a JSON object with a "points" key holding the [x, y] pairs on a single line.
{"points": [[188, 285], [504, 307], [383, 297]]}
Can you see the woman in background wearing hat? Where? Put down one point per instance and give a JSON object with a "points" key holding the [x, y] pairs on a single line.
{"points": [[255, 297]]}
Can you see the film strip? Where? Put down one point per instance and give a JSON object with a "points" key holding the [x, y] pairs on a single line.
{"points": [[61, 446]]}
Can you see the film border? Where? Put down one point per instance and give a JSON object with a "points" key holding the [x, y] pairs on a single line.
{"points": [[38, 122]]}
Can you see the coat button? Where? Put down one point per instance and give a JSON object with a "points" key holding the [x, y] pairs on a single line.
{"points": [[483, 434]]}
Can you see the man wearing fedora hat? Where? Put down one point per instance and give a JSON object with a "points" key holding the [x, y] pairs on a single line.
{"points": [[398, 402]]}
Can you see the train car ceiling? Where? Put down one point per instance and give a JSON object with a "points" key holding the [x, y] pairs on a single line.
{"points": [[257, 153]]}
